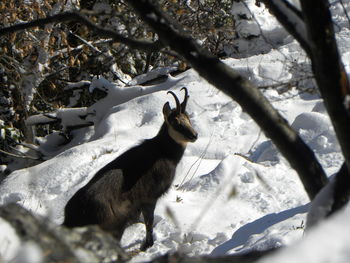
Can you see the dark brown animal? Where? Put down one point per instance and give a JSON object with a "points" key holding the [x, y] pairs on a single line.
{"points": [[134, 181]]}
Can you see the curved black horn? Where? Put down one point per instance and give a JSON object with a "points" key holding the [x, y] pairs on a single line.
{"points": [[178, 106], [184, 103]]}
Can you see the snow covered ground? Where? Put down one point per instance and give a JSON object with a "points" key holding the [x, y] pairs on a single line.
{"points": [[233, 191]]}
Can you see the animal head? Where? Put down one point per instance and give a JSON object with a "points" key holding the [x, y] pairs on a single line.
{"points": [[178, 122]]}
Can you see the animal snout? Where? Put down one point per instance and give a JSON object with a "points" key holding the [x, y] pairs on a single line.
{"points": [[193, 136]]}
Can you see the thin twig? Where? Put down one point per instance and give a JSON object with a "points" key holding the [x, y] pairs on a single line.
{"points": [[78, 17], [19, 156], [345, 12], [30, 146], [256, 141], [244, 157], [199, 159], [86, 43]]}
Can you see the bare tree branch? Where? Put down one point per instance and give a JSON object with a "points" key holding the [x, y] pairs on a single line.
{"points": [[19, 156], [345, 12], [301, 158], [291, 19], [86, 43], [328, 69], [100, 31], [341, 193]]}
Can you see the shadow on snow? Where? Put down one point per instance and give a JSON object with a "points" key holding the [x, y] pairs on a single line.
{"points": [[257, 227]]}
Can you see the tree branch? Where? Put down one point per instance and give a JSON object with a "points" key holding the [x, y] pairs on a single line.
{"points": [[20, 156], [345, 12], [301, 158], [328, 69], [341, 193], [291, 19], [98, 30]]}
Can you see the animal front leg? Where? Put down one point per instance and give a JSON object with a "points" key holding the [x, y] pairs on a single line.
{"points": [[148, 215]]}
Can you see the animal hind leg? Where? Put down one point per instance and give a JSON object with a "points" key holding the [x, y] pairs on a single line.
{"points": [[148, 215]]}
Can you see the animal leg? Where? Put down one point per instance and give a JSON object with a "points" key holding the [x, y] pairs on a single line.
{"points": [[148, 215]]}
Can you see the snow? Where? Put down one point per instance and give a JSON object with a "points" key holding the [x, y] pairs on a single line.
{"points": [[233, 191], [292, 18], [9, 243], [327, 243], [154, 73], [321, 205], [29, 252], [68, 116]]}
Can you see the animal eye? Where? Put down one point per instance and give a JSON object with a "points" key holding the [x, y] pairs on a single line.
{"points": [[175, 121]]}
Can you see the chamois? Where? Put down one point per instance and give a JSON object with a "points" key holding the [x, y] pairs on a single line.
{"points": [[133, 182]]}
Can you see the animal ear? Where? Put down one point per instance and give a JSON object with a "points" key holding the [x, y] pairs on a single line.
{"points": [[166, 110]]}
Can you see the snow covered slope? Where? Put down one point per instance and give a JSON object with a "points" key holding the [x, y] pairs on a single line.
{"points": [[220, 202]]}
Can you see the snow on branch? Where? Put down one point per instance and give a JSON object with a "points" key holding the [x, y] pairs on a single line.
{"points": [[68, 117], [20, 156], [81, 18], [77, 85], [75, 118], [117, 95]]}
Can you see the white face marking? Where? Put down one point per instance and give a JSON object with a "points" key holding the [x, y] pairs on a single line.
{"points": [[181, 120], [178, 137]]}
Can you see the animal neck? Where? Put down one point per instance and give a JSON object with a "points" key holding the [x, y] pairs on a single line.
{"points": [[168, 145]]}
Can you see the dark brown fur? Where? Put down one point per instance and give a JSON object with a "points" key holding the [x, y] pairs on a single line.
{"points": [[134, 181]]}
